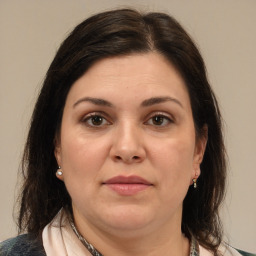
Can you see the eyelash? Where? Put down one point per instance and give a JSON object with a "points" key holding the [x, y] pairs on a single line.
{"points": [[166, 119], [88, 120]]}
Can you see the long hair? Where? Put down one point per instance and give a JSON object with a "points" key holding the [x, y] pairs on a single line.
{"points": [[117, 33]]}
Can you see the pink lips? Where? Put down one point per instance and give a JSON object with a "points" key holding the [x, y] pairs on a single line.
{"points": [[127, 186]]}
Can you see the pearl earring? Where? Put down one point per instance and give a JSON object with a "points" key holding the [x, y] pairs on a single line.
{"points": [[59, 172], [194, 181]]}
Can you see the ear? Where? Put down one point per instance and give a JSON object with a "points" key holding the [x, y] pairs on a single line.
{"points": [[201, 142], [57, 150]]}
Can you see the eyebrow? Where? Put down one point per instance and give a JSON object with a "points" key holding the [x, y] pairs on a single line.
{"points": [[158, 100], [146, 103], [95, 101]]}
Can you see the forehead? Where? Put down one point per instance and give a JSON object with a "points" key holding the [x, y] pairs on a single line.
{"points": [[131, 77]]}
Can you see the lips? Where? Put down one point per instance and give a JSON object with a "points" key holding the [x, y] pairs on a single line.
{"points": [[127, 186], [127, 180]]}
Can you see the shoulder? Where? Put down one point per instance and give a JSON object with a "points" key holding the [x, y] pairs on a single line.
{"points": [[225, 250], [246, 253], [22, 245], [228, 250]]}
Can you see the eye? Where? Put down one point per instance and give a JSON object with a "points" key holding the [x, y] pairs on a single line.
{"points": [[159, 120], [95, 120]]}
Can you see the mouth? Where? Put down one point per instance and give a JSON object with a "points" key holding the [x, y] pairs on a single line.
{"points": [[127, 185]]}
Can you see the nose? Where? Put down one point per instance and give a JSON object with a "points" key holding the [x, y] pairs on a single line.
{"points": [[128, 145]]}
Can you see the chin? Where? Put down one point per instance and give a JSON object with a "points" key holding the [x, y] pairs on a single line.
{"points": [[125, 218]]}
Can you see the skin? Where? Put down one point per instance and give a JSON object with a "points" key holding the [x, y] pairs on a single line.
{"points": [[130, 135]]}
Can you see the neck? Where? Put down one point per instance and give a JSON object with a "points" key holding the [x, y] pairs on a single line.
{"points": [[167, 240], [152, 245]]}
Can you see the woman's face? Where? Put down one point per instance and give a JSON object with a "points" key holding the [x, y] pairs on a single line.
{"points": [[127, 146]]}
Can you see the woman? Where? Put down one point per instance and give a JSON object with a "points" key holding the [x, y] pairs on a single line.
{"points": [[125, 152]]}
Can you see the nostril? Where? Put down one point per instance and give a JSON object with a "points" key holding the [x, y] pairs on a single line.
{"points": [[127, 159]]}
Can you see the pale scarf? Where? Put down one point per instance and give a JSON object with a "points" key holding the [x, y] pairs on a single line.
{"points": [[60, 240]]}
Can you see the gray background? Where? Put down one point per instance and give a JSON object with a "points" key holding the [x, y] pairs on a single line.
{"points": [[31, 31]]}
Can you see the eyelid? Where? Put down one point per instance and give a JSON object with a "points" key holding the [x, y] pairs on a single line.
{"points": [[165, 115], [161, 113], [96, 113], [105, 116], [109, 120]]}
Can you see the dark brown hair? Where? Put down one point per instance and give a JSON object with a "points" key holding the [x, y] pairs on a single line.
{"points": [[116, 33]]}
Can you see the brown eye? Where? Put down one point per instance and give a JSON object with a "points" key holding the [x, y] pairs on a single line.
{"points": [[97, 120], [158, 120], [94, 120]]}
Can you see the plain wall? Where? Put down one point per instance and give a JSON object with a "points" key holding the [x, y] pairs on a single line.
{"points": [[225, 31]]}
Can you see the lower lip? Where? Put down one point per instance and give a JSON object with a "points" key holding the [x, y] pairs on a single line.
{"points": [[128, 189]]}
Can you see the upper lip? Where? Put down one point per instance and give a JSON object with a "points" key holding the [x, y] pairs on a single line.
{"points": [[127, 180]]}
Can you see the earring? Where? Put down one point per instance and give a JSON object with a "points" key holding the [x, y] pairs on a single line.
{"points": [[59, 172], [194, 181]]}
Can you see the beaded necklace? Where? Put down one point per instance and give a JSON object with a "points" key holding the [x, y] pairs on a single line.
{"points": [[194, 247]]}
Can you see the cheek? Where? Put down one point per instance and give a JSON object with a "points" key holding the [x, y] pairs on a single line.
{"points": [[82, 157], [82, 161], [174, 161], [79, 148]]}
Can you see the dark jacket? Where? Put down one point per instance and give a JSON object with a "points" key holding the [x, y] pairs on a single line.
{"points": [[22, 245]]}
